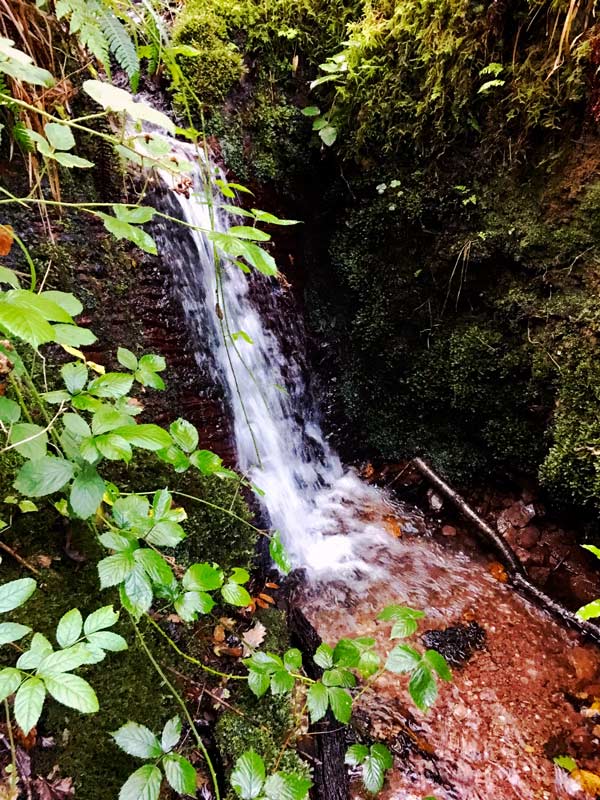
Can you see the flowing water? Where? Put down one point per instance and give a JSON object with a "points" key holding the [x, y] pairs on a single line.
{"points": [[510, 707]]}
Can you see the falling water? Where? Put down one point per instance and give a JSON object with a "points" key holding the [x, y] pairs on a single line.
{"points": [[280, 445], [487, 736]]}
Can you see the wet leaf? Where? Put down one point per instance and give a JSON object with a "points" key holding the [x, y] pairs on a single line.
{"points": [[6, 242]]}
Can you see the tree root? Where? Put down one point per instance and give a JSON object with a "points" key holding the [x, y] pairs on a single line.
{"points": [[516, 572]]}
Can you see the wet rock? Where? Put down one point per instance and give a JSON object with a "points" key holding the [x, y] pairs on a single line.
{"points": [[435, 501], [584, 663], [528, 537], [449, 530], [456, 643], [539, 575], [518, 515]]}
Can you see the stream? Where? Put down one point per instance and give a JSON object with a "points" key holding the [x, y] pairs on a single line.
{"points": [[512, 705]]}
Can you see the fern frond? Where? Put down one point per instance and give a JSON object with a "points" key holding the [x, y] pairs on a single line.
{"points": [[20, 134], [84, 20], [122, 46]]}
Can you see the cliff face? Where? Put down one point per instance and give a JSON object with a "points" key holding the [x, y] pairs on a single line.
{"points": [[450, 249]]}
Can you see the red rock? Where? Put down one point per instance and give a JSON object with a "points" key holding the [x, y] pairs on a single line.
{"points": [[528, 537], [584, 663], [448, 530], [519, 514]]}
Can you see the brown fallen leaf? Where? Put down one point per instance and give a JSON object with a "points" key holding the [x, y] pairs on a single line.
{"points": [[220, 650], [498, 572], [589, 781], [267, 598], [6, 239], [253, 638], [219, 633], [53, 788], [270, 585]]}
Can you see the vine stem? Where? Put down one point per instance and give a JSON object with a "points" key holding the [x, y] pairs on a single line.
{"points": [[191, 659], [13, 752], [181, 702]]}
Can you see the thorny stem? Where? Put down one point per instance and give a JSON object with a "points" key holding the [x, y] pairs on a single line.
{"points": [[181, 702]]}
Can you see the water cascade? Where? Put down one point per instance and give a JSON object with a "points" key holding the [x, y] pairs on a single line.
{"points": [[487, 733]]}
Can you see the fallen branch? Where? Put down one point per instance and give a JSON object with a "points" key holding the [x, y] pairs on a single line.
{"points": [[516, 573]]}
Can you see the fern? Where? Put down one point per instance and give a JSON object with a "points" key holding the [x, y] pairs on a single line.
{"points": [[121, 46], [21, 137]]}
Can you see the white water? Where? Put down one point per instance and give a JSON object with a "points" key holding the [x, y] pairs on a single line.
{"points": [[280, 445]]}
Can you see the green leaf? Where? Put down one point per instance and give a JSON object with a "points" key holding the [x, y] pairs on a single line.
{"points": [[356, 754], [382, 754], [368, 664], [143, 784], [155, 567], [38, 304], [76, 425], [25, 324], [258, 682], [69, 160], [422, 687], [73, 335], [12, 632], [72, 691], [29, 701], [203, 577], [108, 418], [113, 447], [14, 593], [180, 774], [69, 628], [317, 701], [75, 376], [145, 436], [341, 704], [189, 604], [171, 734], [107, 640], [245, 232], [9, 411], [123, 230], [265, 216], [59, 136], [590, 610], [402, 659], [138, 591], [127, 359], [310, 111], [235, 595], [566, 762], [279, 554], [10, 680], [392, 613], [101, 619], [136, 215], [40, 648], [346, 653], [324, 656], [248, 775], [328, 135], [137, 740], [114, 569], [206, 461], [239, 575], [10, 277], [286, 786], [438, 663], [38, 440], [292, 660], [67, 301], [165, 534], [338, 677], [112, 384], [153, 363], [112, 98], [184, 435], [281, 682], [592, 549], [87, 492], [373, 774], [64, 660]]}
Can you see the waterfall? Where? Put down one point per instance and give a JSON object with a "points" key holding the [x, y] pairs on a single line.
{"points": [[238, 319]]}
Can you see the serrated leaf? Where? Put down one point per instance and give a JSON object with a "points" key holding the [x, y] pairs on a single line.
{"points": [[10, 680], [72, 691], [114, 569], [101, 619], [373, 774], [356, 754], [65, 300], [180, 774], [292, 659], [235, 595], [341, 704], [14, 593], [402, 659], [64, 660], [25, 324], [34, 440], [422, 687], [438, 663], [286, 786], [171, 734], [143, 784], [165, 534], [123, 230], [189, 604], [87, 492], [12, 632], [69, 628], [203, 577], [137, 740], [317, 701], [75, 376], [43, 476], [138, 591], [323, 656], [184, 435], [145, 436], [281, 682], [248, 775], [155, 567], [9, 411], [107, 640], [127, 359], [29, 701], [111, 384], [258, 682], [279, 554]]}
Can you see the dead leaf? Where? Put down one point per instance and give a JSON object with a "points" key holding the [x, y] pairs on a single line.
{"points": [[497, 571], [174, 618], [228, 623], [589, 781], [270, 585], [219, 633], [6, 239], [53, 788], [220, 650], [253, 638], [267, 598]]}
